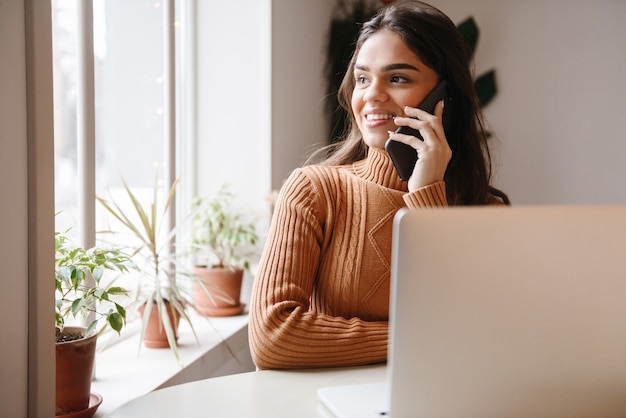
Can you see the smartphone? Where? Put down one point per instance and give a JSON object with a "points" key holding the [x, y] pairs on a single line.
{"points": [[404, 156]]}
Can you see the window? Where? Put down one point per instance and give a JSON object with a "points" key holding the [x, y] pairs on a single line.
{"points": [[223, 128], [132, 131], [228, 97]]}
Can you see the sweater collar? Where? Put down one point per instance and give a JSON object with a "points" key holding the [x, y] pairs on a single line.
{"points": [[378, 167]]}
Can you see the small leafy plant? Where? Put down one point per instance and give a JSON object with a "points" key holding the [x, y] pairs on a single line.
{"points": [[77, 297], [221, 237]]}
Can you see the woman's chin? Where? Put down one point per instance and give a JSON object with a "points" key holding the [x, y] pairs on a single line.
{"points": [[376, 141]]}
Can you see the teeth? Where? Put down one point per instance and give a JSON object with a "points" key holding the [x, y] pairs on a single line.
{"points": [[379, 116]]}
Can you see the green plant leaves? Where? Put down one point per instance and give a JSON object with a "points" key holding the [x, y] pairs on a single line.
{"points": [[116, 320], [486, 88], [484, 84], [117, 290], [97, 273], [160, 267], [469, 31], [75, 294], [220, 234], [91, 328], [77, 305]]}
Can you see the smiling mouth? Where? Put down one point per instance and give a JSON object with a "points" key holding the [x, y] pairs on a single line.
{"points": [[379, 116]]}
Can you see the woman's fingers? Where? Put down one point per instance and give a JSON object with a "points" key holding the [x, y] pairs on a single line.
{"points": [[424, 121], [438, 126], [433, 151]]}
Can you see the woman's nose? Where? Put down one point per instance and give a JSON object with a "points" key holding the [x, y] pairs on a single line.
{"points": [[375, 93]]}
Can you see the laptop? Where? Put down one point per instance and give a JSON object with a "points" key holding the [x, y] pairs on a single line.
{"points": [[502, 312]]}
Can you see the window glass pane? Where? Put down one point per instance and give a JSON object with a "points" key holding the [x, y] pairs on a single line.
{"points": [[128, 39], [64, 61], [129, 108], [128, 43]]}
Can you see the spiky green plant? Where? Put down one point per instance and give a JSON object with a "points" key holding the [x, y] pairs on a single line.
{"points": [[155, 256]]}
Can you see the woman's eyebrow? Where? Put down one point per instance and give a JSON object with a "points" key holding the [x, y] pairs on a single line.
{"points": [[390, 67], [400, 66]]}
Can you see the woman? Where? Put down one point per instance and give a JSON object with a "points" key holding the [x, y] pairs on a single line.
{"points": [[321, 296]]}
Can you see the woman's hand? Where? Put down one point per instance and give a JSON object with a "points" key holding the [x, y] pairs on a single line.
{"points": [[433, 153]]}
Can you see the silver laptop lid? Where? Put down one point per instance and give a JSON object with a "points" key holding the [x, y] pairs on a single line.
{"points": [[509, 312]]}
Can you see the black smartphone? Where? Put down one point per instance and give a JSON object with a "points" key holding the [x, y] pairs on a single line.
{"points": [[404, 156]]}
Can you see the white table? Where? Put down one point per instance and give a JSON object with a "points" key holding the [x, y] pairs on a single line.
{"points": [[268, 393]]}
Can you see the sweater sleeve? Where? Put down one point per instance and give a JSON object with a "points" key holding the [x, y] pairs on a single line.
{"points": [[433, 195], [284, 331]]}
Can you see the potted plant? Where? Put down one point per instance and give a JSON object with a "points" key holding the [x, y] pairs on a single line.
{"points": [[162, 299], [80, 292], [223, 242]]}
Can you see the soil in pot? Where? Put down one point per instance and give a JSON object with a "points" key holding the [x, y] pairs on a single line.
{"points": [[224, 288], [74, 368], [155, 335]]}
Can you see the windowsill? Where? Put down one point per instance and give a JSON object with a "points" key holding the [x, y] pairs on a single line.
{"points": [[127, 370]]}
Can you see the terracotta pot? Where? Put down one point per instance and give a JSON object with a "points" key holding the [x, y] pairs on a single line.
{"points": [[74, 369], [223, 286], [155, 335]]}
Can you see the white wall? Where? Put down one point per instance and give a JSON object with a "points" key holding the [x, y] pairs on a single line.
{"points": [[260, 92], [299, 32], [562, 95], [233, 105]]}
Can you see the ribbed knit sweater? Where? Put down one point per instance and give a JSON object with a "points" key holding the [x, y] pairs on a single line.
{"points": [[321, 295]]}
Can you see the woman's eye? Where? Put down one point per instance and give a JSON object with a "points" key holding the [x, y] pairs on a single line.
{"points": [[361, 79], [398, 79]]}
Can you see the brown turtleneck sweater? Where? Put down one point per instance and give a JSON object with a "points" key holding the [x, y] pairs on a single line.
{"points": [[321, 295]]}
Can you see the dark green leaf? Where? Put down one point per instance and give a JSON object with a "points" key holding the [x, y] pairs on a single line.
{"points": [[485, 86], [59, 320], [77, 305], [120, 310], [116, 321], [91, 327], [116, 290], [469, 31]]}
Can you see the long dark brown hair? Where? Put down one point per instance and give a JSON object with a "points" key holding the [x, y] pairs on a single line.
{"points": [[434, 38]]}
